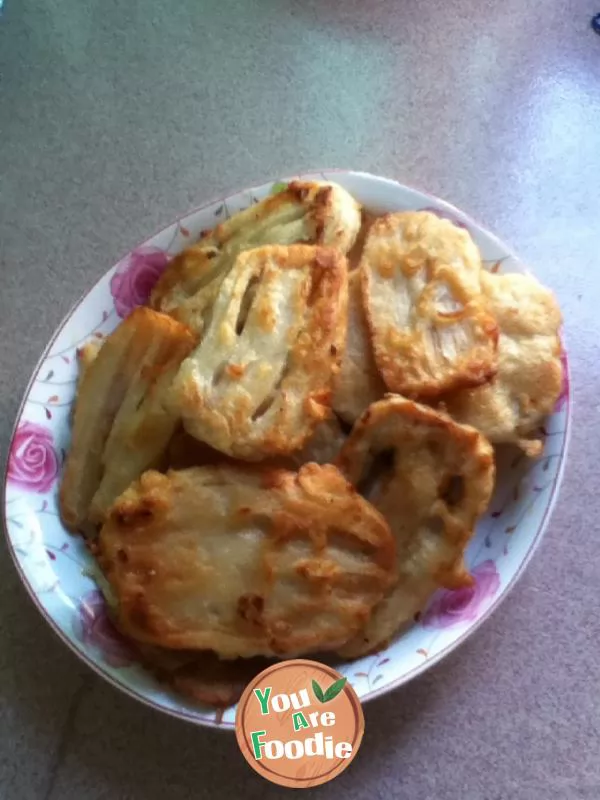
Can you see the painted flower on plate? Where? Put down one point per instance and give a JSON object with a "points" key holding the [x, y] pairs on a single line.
{"points": [[33, 462], [451, 607], [94, 629], [135, 277]]}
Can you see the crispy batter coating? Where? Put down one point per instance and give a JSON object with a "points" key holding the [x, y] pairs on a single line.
{"points": [[323, 447], [245, 561], [530, 374], [86, 356], [259, 342], [359, 383], [430, 325], [120, 427], [261, 379], [355, 253], [185, 451], [313, 213], [431, 478], [202, 676]]}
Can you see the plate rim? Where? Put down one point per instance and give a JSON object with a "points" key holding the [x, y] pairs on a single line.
{"points": [[430, 661]]}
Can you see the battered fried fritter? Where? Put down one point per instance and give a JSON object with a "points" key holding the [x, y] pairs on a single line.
{"points": [[142, 428], [355, 253], [202, 676], [86, 355], [359, 383], [314, 213], [430, 325], [530, 374], [120, 426], [323, 447], [185, 451], [431, 478], [245, 561], [261, 378]]}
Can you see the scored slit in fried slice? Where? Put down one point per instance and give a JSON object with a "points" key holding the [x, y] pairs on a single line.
{"points": [[358, 383], [260, 380], [304, 212], [355, 253], [431, 478], [120, 387], [431, 328]]}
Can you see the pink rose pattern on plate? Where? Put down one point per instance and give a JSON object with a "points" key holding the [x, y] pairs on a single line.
{"points": [[33, 462], [93, 628], [135, 278], [450, 607]]}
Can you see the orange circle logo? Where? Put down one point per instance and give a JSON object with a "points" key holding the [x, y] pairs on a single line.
{"points": [[299, 723]]}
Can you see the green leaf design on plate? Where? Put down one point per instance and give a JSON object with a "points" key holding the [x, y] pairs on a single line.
{"points": [[278, 187], [318, 692], [335, 689]]}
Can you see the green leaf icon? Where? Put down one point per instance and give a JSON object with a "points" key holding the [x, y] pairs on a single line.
{"points": [[318, 692], [331, 693], [278, 187], [334, 689]]}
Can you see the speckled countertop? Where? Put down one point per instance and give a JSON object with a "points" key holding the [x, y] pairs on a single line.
{"points": [[116, 117]]}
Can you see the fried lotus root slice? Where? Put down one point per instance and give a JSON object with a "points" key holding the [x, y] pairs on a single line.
{"points": [[202, 676], [355, 253], [431, 478], [185, 451], [431, 328], [120, 427], [530, 372], [323, 447], [261, 379], [245, 561], [359, 383], [312, 213], [86, 355]]}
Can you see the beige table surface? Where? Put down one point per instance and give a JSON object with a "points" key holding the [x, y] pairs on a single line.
{"points": [[116, 117]]}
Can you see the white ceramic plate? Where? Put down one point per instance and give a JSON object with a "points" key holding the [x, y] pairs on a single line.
{"points": [[55, 566]]}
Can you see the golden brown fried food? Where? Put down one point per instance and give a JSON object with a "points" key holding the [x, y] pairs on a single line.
{"points": [[324, 445], [529, 377], [431, 478], [185, 451], [202, 676], [142, 428], [86, 356], [261, 378], [245, 561], [120, 427], [355, 253], [322, 448], [314, 213], [430, 325], [359, 383]]}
